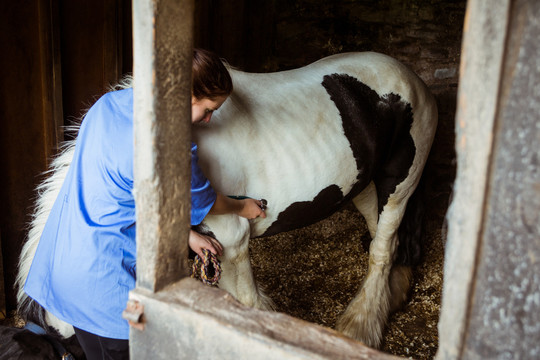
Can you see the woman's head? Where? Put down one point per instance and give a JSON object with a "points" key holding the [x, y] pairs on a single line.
{"points": [[211, 78], [211, 85]]}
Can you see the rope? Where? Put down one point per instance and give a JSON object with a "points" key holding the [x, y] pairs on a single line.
{"points": [[204, 268]]}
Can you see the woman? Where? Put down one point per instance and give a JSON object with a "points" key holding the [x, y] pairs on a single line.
{"points": [[84, 265]]}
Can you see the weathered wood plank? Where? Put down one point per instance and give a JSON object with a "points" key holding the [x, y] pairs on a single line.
{"points": [[504, 320], [162, 103], [491, 303], [481, 63], [189, 320]]}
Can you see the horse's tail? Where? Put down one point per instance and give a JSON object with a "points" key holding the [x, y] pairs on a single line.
{"points": [[411, 229], [47, 193]]}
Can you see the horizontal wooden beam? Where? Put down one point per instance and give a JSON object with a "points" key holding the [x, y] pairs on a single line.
{"points": [[189, 320]]}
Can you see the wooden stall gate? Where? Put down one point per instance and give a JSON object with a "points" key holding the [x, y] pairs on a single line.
{"points": [[491, 298]]}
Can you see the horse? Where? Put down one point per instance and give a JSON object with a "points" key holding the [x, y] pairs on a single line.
{"points": [[350, 127]]}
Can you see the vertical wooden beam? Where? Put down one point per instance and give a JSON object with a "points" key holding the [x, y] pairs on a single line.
{"points": [[51, 76], [491, 293], [112, 42], [30, 117], [481, 62], [162, 97], [504, 315], [91, 33]]}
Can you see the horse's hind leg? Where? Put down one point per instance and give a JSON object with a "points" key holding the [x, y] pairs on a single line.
{"points": [[385, 287], [366, 203], [237, 278], [400, 275]]}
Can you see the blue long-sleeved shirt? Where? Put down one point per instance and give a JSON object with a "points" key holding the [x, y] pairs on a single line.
{"points": [[84, 265]]}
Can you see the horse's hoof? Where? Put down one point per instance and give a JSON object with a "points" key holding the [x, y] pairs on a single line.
{"points": [[359, 330]]}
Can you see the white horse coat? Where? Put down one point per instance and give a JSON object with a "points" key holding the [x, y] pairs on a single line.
{"points": [[355, 126]]}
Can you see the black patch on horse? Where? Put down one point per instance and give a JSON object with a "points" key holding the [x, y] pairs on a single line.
{"points": [[378, 131], [303, 213]]}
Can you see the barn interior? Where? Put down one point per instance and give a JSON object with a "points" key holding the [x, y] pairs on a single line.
{"points": [[59, 56]]}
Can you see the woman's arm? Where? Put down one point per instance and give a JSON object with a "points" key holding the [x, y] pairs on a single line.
{"points": [[248, 208]]}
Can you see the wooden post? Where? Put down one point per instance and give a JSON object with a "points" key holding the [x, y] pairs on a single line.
{"points": [[163, 54], [481, 62], [491, 293]]}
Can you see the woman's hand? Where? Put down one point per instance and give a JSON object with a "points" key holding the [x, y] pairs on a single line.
{"points": [[198, 242], [252, 209], [248, 208]]}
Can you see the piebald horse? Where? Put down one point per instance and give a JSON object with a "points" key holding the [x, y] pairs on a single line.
{"points": [[350, 127]]}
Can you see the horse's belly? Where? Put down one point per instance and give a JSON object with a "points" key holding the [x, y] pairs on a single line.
{"points": [[304, 172]]}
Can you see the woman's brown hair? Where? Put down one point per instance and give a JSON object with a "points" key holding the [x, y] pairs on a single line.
{"points": [[211, 78]]}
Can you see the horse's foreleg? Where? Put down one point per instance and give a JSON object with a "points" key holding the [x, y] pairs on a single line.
{"points": [[237, 277], [365, 317]]}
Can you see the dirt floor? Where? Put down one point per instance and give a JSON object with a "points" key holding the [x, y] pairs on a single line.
{"points": [[313, 273]]}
